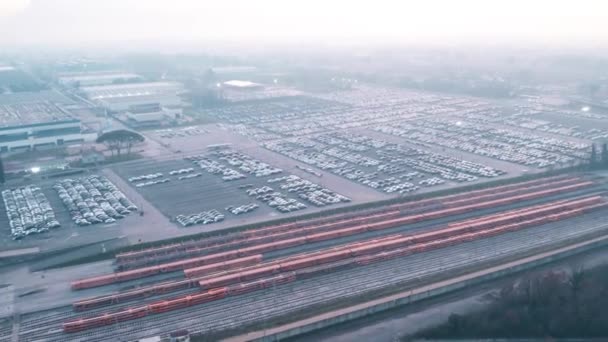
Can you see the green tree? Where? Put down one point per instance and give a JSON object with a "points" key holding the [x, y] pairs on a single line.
{"points": [[120, 140]]}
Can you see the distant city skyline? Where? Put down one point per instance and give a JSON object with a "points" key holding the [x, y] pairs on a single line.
{"points": [[74, 22]]}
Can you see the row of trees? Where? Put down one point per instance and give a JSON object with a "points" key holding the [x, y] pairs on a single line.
{"points": [[549, 305]]}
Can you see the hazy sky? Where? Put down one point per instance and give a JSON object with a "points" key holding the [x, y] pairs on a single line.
{"points": [[74, 22]]}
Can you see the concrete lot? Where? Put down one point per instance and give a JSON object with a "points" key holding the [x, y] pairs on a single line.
{"points": [[192, 195]]}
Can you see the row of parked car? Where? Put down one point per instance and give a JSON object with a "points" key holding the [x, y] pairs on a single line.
{"points": [[216, 168], [204, 217], [149, 176], [152, 182], [246, 163], [192, 175], [310, 191], [431, 181], [402, 188], [155, 178], [275, 199], [309, 170], [181, 171], [93, 199], [28, 211], [242, 209]]}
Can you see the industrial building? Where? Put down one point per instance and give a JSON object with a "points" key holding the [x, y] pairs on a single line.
{"points": [[242, 85], [97, 78], [121, 97], [239, 90], [34, 125], [151, 114]]}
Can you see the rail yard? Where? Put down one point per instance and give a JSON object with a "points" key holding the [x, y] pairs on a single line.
{"points": [[223, 284], [283, 208]]}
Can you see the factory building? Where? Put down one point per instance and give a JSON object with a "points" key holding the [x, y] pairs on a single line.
{"points": [[28, 126], [152, 114], [97, 78], [242, 85], [121, 97], [123, 104], [239, 91]]}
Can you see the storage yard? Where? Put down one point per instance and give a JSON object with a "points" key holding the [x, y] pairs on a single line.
{"points": [[282, 158], [183, 188], [58, 214], [400, 141], [221, 284]]}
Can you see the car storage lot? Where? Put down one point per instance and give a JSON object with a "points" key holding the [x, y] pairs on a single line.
{"points": [[187, 196], [383, 165], [225, 181], [68, 234]]}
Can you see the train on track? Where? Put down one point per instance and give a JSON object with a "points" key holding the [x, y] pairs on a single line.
{"points": [[314, 236], [340, 220], [224, 280]]}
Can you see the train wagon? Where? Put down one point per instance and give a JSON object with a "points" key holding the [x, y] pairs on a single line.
{"points": [[226, 265]]}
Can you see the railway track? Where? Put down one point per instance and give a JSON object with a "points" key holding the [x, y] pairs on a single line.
{"points": [[413, 207], [314, 291], [200, 273], [328, 288], [314, 236], [237, 281]]}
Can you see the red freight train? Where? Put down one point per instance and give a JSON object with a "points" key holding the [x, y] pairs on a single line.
{"points": [[263, 248], [174, 304], [500, 190], [384, 250]]}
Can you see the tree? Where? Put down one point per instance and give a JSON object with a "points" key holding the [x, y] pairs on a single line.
{"points": [[119, 140], [2, 179], [604, 154], [593, 161]]}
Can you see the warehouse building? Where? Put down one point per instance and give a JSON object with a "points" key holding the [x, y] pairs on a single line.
{"points": [[123, 104], [36, 125], [152, 114], [242, 85], [239, 91], [121, 97], [97, 78]]}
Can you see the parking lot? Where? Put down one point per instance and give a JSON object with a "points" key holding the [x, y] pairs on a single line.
{"points": [[380, 164], [224, 184], [507, 144], [69, 233], [431, 141], [302, 154]]}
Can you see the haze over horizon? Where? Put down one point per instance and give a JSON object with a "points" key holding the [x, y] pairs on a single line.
{"points": [[78, 22]]}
